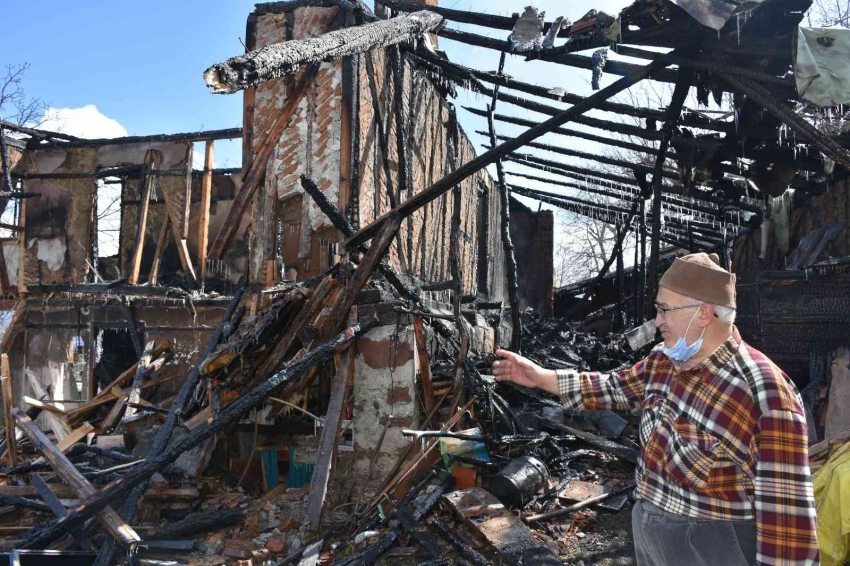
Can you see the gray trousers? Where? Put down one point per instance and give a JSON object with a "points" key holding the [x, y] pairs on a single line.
{"points": [[666, 539]]}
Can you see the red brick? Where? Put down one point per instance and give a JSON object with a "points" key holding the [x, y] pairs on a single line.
{"points": [[276, 544]]}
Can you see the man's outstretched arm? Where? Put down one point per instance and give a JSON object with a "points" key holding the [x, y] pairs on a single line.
{"points": [[586, 390]]}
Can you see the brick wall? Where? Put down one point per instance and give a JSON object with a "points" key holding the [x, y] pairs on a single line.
{"points": [[313, 144]]}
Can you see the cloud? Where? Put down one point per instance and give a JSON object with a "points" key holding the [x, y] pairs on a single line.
{"points": [[84, 122]]}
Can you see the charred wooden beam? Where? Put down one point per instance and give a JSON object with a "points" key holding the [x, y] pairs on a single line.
{"points": [[59, 510], [454, 269], [348, 296], [280, 59], [561, 199], [470, 168], [423, 505], [120, 488], [185, 137], [256, 172], [758, 93], [118, 528], [593, 157], [505, 225], [626, 192], [382, 129], [23, 502], [128, 172], [680, 93], [347, 230], [562, 58], [202, 521], [402, 143], [463, 547], [714, 67], [557, 167], [594, 440], [565, 131], [558, 94], [38, 134]]}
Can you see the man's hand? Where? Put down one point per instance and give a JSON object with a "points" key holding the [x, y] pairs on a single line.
{"points": [[522, 371]]}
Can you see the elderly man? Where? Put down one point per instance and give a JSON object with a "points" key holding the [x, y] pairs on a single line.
{"points": [[723, 474]]}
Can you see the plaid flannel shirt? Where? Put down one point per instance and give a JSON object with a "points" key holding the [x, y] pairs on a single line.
{"points": [[724, 440]]}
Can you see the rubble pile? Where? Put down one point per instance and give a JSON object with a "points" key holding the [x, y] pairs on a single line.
{"points": [[505, 458]]}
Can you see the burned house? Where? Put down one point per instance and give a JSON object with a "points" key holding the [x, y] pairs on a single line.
{"points": [[290, 324]]}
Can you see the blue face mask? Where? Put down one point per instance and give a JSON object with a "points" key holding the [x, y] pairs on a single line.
{"points": [[681, 352]]}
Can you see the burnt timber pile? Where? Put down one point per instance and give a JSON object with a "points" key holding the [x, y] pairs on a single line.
{"points": [[290, 361]]}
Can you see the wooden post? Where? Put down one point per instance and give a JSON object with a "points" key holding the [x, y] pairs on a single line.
{"points": [[620, 317], [22, 244], [8, 405], [636, 312], [680, 93], [153, 159], [424, 365], [642, 278], [187, 200], [330, 433], [507, 243], [204, 224], [117, 527]]}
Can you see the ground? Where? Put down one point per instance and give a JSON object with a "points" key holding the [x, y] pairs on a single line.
{"points": [[608, 543]]}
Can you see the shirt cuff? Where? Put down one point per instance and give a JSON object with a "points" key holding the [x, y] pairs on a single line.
{"points": [[569, 388]]}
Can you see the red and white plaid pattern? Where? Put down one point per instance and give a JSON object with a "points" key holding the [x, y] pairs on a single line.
{"points": [[724, 440]]}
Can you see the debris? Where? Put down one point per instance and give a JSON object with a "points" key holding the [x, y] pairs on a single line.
{"points": [[514, 540]]}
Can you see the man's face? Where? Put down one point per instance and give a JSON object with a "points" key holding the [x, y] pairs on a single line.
{"points": [[673, 324]]}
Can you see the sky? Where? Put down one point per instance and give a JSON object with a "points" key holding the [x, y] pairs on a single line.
{"points": [[118, 68]]}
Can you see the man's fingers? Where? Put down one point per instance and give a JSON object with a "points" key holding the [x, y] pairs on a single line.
{"points": [[510, 356]]}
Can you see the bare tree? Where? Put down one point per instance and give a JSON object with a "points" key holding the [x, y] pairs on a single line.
{"points": [[828, 13], [15, 105]]}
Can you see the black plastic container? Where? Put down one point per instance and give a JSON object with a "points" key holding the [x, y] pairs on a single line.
{"points": [[518, 482]]}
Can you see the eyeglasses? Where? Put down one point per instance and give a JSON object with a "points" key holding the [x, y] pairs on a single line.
{"points": [[665, 310]]}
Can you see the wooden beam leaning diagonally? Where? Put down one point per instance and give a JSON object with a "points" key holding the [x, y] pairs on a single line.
{"points": [[117, 527], [135, 392], [58, 424], [153, 160], [471, 167], [161, 242], [256, 172], [204, 224], [346, 298], [330, 433]]}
